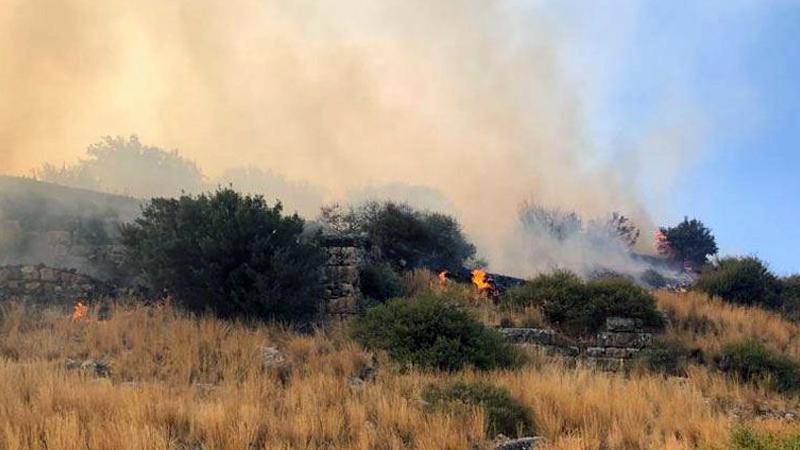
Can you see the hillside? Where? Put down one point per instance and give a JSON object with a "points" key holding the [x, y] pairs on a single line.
{"points": [[152, 377], [43, 223]]}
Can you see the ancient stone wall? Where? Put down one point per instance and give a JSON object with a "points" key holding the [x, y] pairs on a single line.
{"points": [[342, 294], [46, 284], [620, 341]]}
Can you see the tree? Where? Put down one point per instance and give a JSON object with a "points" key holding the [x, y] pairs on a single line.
{"points": [[689, 242], [126, 166], [407, 238], [228, 253]]}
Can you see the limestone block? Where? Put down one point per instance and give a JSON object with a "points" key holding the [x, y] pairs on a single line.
{"points": [[624, 339], [623, 324], [528, 335]]}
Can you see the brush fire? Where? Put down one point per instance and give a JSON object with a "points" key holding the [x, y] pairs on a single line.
{"points": [[79, 311]]}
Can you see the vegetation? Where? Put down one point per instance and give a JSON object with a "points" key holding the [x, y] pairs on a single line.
{"points": [[407, 238], [689, 242], [790, 296], [751, 362], [577, 307], [227, 253], [748, 439], [125, 166], [667, 356], [653, 279], [504, 415], [745, 281], [180, 380], [379, 282], [430, 332]]}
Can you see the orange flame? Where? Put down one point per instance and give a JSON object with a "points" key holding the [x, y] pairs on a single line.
{"points": [[79, 311], [443, 276], [479, 280]]}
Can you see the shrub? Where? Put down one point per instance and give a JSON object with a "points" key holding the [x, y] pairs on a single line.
{"points": [[379, 282], [578, 307], [407, 238], [560, 285], [790, 296], [751, 362], [666, 356], [431, 332], [744, 281], [503, 413], [227, 253], [747, 439]]}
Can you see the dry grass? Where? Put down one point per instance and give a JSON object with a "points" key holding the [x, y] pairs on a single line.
{"points": [[178, 381], [711, 323]]}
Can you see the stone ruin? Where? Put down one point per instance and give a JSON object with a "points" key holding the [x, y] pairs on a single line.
{"points": [[342, 295], [610, 349], [46, 284]]}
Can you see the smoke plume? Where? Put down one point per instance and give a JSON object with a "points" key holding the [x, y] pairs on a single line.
{"points": [[463, 97]]}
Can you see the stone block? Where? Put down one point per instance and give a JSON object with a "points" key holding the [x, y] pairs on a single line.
{"points": [[528, 335], [595, 352], [624, 339], [342, 305], [623, 324], [606, 364], [527, 443], [49, 275], [624, 353], [30, 273]]}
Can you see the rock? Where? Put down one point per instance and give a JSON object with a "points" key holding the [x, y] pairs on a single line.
{"points": [[271, 356], [623, 324], [94, 367], [528, 335], [624, 339], [30, 273], [526, 443]]}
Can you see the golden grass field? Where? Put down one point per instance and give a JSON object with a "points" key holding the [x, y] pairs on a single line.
{"points": [[184, 382]]}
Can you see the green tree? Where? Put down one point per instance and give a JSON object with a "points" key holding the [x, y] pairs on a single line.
{"points": [[228, 253], [689, 242]]}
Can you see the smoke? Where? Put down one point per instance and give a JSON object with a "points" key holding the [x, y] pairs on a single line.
{"points": [[466, 98]]}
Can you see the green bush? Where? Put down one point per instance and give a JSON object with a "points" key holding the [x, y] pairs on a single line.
{"points": [[751, 362], [790, 297], [747, 439], [577, 307], [503, 413], [227, 253], [407, 238], [379, 282], [664, 356], [744, 281], [431, 332], [554, 287]]}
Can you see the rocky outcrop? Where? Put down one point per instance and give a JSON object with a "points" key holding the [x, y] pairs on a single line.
{"points": [[47, 284]]}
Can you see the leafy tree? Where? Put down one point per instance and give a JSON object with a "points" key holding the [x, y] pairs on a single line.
{"points": [[690, 242], [407, 238], [745, 281], [126, 166], [228, 253]]}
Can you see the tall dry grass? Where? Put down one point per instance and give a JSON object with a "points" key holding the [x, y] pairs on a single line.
{"points": [[185, 382], [710, 323]]}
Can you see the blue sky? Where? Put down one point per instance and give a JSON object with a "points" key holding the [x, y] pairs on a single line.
{"points": [[702, 100]]}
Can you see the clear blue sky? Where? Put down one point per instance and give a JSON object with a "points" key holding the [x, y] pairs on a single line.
{"points": [[705, 97]]}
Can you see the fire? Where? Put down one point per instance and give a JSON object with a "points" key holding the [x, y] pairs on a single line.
{"points": [[479, 280], [443, 276], [79, 311]]}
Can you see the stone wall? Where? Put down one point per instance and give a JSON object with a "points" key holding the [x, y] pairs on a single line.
{"points": [[620, 341], [46, 284], [342, 294]]}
